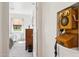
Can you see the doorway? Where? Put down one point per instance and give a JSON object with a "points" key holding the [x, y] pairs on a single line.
{"points": [[21, 18]]}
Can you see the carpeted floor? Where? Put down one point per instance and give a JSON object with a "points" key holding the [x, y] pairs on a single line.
{"points": [[18, 50]]}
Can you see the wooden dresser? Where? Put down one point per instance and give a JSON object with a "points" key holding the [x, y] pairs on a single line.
{"points": [[29, 39]]}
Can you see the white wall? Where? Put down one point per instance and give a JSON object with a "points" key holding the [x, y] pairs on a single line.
{"points": [[49, 20], [39, 28], [4, 16], [34, 33]]}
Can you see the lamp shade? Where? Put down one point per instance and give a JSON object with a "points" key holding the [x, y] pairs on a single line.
{"points": [[17, 21]]}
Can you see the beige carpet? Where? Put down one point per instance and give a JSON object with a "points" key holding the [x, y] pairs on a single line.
{"points": [[18, 50]]}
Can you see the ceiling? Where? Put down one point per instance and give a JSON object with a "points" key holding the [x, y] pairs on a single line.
{"points": [[21, 7]]}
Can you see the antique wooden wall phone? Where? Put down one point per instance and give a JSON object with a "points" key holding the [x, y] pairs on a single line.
{"points": [[68, 26]]}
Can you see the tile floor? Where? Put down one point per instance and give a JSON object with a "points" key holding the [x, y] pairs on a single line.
{"points": [[18, 50]]}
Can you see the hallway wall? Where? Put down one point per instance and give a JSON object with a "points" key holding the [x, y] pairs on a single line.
{"points": [[49, 20], [39, 28], [4, 17]]}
